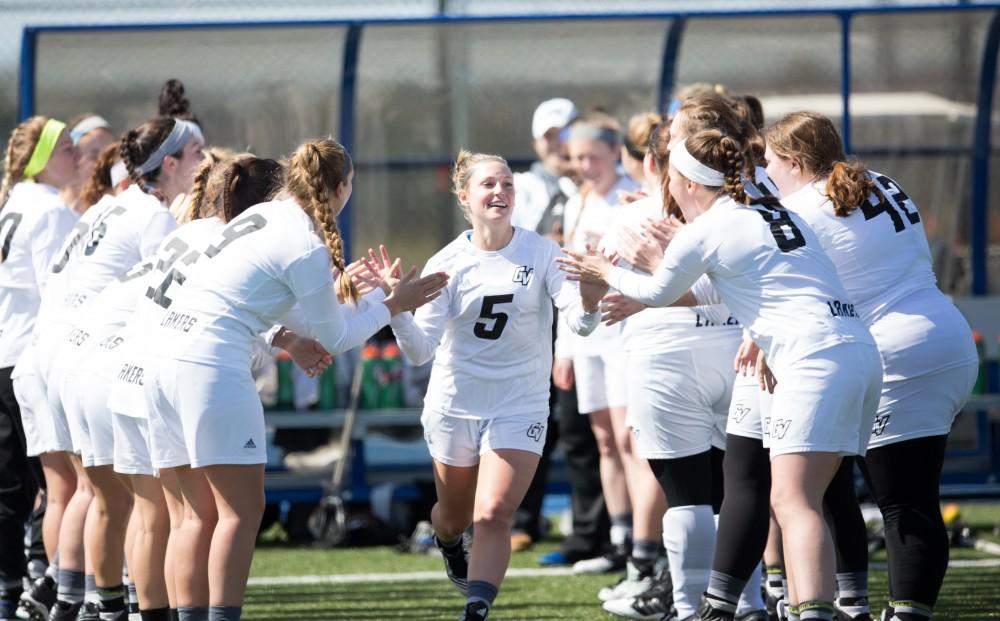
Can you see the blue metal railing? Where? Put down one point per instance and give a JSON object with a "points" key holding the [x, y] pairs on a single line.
{"points": [[979, 153]]}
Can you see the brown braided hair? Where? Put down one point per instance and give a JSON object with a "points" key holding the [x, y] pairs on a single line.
{"points": [[731, 116], [659, 147], [315, 171], [813, 140], [724, 153], [139, 143], [99, 182], [21, 145]]}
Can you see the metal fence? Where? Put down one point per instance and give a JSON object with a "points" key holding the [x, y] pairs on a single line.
{"points": [[911, 85]]}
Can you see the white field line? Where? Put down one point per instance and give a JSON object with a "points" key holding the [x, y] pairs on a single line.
{"points": [[422, 576]]}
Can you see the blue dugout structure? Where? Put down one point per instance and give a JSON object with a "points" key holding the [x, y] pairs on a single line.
{"points": [[345, 61]]}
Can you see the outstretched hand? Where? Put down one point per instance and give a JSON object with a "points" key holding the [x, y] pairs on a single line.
{"points": [[592, 266], [364, 279], [642, 251], [615, 307], [309, 355], [411, 292], [384, 267]]}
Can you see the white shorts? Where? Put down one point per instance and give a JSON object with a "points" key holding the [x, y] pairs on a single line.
{"points": [[921, 406], [460, 441], [131, 445], [825, 402], [44, 432], [745, 410], [678, 401], [600, 381], [203, 415]]}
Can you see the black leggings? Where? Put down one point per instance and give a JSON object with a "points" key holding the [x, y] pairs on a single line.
{"points": [[691, 480], [904, 479], [745, 514], [847, 525]]}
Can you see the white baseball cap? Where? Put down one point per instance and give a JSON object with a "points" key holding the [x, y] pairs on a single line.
{"points": [[555, 113]]}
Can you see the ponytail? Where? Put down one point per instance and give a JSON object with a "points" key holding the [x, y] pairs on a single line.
{"points": [[21, 145], [315, 171], [848, 186], [99, 182]]}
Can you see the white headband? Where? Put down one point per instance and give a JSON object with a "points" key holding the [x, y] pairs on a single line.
{"points": [[175, 141], [118, 173], [86, 126], [694, 170]]}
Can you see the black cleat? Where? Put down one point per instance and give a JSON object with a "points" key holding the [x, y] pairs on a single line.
{"points": [[64, 611], [90, 611], [753, 615], [456, 564], [475, 611], [709, 612], [36, 602]]}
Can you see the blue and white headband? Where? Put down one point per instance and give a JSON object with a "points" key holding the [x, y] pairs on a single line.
{"points": [[86, 126], [176, 140], [694, 170]]}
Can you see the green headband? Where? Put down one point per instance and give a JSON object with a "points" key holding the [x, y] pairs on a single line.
{"points": [[43, 150]]}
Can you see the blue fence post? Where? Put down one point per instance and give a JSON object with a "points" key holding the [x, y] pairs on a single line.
{"points": [[26, 77], [845, 79], [979, 216], [348, 86], [668, 64]]}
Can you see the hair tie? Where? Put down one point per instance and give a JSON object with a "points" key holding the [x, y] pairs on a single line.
{"points": [[86, 126]]}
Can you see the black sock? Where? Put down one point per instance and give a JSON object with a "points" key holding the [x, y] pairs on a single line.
{"points": [[157, 614]]}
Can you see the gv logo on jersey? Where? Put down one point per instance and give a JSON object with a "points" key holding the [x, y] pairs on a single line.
{"points": [[880, 425], [522, 274], [535, 431]]}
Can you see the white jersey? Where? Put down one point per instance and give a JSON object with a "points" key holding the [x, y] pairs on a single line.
{"points": [[490, 331], [33, 224], [658, 330], [258, 267], [881, 254], [768, 268]]}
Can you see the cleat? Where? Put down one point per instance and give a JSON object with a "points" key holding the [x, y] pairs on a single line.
{"points": [[633, 583], [64, 611], [90, 611], [709, 612], [655, 603], [753, 615], [475, 611], [610, 562], [456, 564], [36, 602], [852, 609]]}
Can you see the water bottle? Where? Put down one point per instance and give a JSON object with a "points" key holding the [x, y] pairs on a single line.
{"points": [[328, 389], [391, 394], [286, 385], [371, 372]]}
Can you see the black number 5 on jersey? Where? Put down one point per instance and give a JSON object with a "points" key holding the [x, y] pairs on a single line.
{"points": [[488, 312]]}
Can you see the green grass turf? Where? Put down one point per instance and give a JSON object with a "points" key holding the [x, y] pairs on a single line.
{"points": [[969, 594]]}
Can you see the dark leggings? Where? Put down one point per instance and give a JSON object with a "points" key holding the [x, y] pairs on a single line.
{"points": [[744, 518], [847, 525], [904, 479], [691, 480]]}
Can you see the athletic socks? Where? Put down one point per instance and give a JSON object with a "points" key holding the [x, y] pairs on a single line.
{"points": [[621, 529], [156, 614], [133, 597], [90, 589], [852, 594], [908, 610], [724, 591], [188, 613], [815, 611], [224, 613], [644, 555], [70, 586], [111, 600], [480, 601], [689, 538]]}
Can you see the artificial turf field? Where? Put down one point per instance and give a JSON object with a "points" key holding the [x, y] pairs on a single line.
{"points": [[346, 584]]}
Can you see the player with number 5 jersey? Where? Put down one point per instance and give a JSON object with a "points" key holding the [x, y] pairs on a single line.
{"points": [[487, 402], [873, 233]]}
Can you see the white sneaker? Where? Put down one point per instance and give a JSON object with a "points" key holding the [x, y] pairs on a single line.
{"points": [[613, 561], [632, 583]]}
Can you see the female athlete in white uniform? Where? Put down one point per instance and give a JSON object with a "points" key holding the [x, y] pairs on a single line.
{"points": [[40, 159], [596, 364], [268, 259], [487, 403], [873, 232], [161, 157], [770, 271]]}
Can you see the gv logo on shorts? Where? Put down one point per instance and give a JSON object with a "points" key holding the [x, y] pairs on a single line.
{"points": [[522, 274], [880, 424], [780, 428], [740, 412], [535, 431]]}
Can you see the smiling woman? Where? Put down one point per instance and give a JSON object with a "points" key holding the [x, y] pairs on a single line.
{"points": [[487, 404]]}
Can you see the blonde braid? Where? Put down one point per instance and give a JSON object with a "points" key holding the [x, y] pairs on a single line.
{"points": [[19, 149], [196, 198]]}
